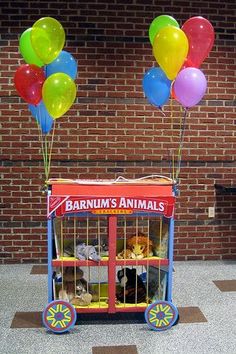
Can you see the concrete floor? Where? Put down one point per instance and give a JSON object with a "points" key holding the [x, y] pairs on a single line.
{"points": [[193, 286]]}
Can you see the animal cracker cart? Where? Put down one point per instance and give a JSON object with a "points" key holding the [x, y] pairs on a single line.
{"points": [[110, 250]]}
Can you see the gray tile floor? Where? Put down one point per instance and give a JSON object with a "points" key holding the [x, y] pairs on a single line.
{"points": [[193, 286]]}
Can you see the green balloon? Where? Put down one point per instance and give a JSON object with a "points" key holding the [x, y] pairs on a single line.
{"points": [[158, 23], [27, 50]]}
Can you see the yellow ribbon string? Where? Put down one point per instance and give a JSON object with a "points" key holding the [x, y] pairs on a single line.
{"points": [[41, 139], [172, 158], [46, 149], [171, 105], [181, 140], [50, 150]]}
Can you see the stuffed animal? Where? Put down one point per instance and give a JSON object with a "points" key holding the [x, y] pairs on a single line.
{"points": [[102, 247], [159, 234], [138, 247], [84, 251], [132, 287], [77, 294], [125, 254]]}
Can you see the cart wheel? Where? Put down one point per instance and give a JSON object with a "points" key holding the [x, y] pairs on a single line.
{"points": [[59, 316], [161, 315]]}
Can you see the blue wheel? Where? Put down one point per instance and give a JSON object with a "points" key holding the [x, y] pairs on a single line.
{"points": [[161, 315], [59, 316]]}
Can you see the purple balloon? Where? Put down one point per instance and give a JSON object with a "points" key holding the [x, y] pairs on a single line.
{"points": [[190, 86]]}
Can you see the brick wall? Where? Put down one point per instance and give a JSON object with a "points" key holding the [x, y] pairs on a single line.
{"points": [[111, 130]]}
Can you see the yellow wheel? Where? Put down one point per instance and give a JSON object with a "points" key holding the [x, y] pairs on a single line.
{"points": [[161, 315], [59, 316]]}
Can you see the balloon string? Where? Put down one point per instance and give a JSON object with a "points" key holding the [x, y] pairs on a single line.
{"points": [[46, 147], [50, 151], [163, 113], [172, 158], [173, 164], [182, 131], [46, 156], [42, 145], [171, 105]]}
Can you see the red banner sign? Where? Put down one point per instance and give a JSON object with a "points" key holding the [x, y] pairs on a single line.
{"points": [[61, 205]]}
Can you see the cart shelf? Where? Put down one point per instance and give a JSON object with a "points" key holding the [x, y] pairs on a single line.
{"points": [[71, 262], [102, 306]]}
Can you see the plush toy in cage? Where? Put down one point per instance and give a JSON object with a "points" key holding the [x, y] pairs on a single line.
{"points": [[132, 289], [138, 247], [75, 288]]}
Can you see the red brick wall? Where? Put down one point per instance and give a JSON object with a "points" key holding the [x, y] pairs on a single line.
{"points": [[111, 130]]}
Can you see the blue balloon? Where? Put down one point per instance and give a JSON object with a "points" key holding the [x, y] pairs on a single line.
{"points": [[156, 86], [64, 63], [43, 118]]}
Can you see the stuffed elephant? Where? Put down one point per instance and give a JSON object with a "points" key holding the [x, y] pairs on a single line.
{"points": [[84, 251]]}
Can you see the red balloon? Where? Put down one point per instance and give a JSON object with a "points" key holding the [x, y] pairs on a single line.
{"points": [[200, 34], [29, 80], [187, 64]]}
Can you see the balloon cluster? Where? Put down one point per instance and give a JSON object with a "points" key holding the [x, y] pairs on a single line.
{"points": [[179, 53], [46, 81]]}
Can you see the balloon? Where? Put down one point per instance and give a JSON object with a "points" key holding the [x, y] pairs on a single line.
{"points": [[29, 80], [156, 86], [190, 86], [201, 36], [47, 38], [64, 63], [187, 64], [45, 121], [59, 92], [170, 49], [158, 23], [27, 50]]}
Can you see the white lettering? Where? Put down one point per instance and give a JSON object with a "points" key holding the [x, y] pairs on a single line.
{"points": [[96, 204], [89, 204], [122, 203], [113, 203], [82, 204], [69, 206], [130, 203], [104, 203], [142, 204]]}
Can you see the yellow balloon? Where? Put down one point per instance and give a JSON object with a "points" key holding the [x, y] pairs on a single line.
{"points": [[59, 92], [170, 48], [47, 39]]}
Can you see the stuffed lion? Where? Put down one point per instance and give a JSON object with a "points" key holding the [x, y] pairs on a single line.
{"points": [[138, 247]]}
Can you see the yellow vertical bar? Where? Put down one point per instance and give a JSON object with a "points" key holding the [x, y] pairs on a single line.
{"points": [[99, 270], [74, 256], [147, 271], [125, 240], [159, 270], [136, 264], [62, 252]]}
